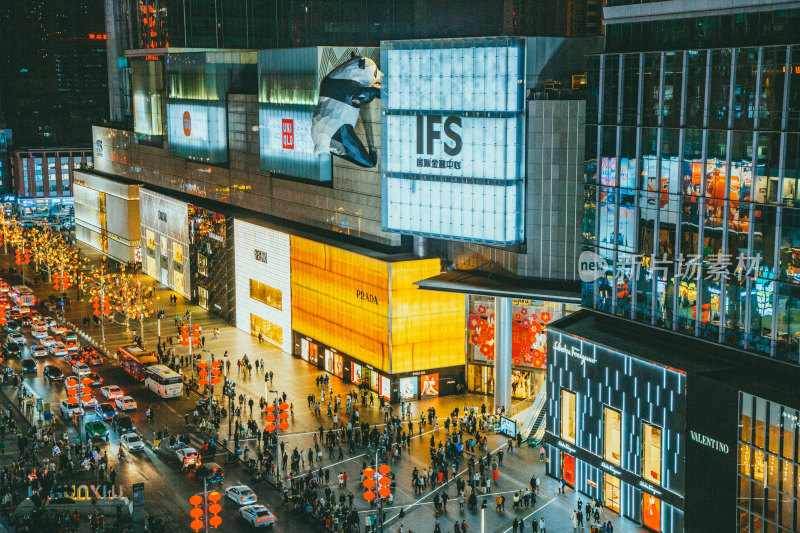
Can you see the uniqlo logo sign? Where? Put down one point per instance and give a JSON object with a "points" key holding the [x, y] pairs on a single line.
{"points": [[287, 133]]}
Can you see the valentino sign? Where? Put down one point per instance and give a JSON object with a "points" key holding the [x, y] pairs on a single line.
{"points": [[707, 441]]}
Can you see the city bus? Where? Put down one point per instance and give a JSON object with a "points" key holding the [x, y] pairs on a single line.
{"points": [[134, 360], [163, 381], [22, 295]]}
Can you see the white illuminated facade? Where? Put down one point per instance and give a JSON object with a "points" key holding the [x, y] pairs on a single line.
{"points": [[454, 138], [262, 264]]}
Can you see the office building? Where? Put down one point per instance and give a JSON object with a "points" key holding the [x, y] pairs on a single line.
{"points": [[44, 178]]}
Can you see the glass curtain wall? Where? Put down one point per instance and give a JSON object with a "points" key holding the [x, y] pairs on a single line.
{"points": [[692, 169]]}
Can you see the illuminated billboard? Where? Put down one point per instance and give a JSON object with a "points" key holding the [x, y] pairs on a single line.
{"points": [[454, 138], [198, 84], [303, 117]]}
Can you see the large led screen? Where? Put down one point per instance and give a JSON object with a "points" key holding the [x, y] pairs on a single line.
{"points": [[197, 129], [290, 104], [454, 139]]}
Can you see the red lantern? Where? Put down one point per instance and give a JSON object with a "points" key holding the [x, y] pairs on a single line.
{"points": [[384, 492], [369, 483], [369, 495], [284, 426], [384, 469]]}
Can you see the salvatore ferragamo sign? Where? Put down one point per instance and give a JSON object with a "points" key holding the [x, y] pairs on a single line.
{"points": [[573, 351]]}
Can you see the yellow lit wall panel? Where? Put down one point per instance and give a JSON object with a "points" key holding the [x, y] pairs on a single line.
{"points": [[361, 306], [427, 326]]}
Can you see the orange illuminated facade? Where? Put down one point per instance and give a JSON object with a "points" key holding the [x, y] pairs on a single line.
{"points": [[366, 314]]}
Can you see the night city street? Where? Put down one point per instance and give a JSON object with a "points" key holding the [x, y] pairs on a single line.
{"points": [[419, 266]]}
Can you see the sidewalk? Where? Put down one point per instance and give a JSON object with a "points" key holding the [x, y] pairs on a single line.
{"points": [[297, 379]]}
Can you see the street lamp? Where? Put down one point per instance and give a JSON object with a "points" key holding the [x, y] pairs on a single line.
{"points": [[483, 516]]}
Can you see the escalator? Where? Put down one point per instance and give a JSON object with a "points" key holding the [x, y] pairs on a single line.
{"points": [[531, 420]]}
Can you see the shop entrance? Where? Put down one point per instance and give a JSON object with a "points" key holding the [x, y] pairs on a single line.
{"points": [[370, 377], [651, 512], [568, 462], [480, 379], [611, 492], [165, 278], [202, 298]]}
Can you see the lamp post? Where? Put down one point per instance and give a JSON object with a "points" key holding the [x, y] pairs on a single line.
{"points": [[483, 516]]}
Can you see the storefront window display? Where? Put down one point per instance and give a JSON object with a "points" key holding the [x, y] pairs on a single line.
{"points": [[268, 331], [651, 453], [611, 435], [409, 388], [568, 416], [528, 342], [430, 385], [768, 468]]}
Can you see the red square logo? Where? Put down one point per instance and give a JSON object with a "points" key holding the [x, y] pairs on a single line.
{"points": [[287, 133]]}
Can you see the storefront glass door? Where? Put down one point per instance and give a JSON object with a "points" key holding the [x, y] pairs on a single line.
{"points": [[651, 512], [202, 297], [569, 469], [611, 492]]}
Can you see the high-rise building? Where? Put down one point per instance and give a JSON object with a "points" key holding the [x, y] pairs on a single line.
{"points": [[671, 400], [54, 84]]}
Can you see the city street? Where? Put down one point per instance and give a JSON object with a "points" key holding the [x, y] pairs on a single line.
{"points": [[168, 488]]}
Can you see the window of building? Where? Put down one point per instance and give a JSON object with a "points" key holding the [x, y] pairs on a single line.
{"points": [[266, 294], [612, 441], [177, 254], [163, 245], [202, 264], [568, 415], [269, 331], [651, 453], [151, 239], [24, 177], [177, 278]]}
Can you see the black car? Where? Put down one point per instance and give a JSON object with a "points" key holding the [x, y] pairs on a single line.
{"points": [[122, 423], [53, 373], [11, 349], [211, 472], [29, 366]]}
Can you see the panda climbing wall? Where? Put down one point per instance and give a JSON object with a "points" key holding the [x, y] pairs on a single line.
{"points": [[341, 94]]}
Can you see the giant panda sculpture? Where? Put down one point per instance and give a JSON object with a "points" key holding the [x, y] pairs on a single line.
{"points": [[341, 94]]}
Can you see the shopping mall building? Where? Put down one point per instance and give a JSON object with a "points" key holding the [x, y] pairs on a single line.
{"points": [[673, 397], [429, 239]]}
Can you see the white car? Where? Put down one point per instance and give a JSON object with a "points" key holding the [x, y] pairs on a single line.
{"points": [[58, 329], [37, 350], [39, 333], [91, 402], [58, 349], [188, 456], [82, 369], [47, 341], [68, 410], [49, 321], [132, 442], [125, 403], [241, 495], [16, 337], [111, 392], [257, 516]]}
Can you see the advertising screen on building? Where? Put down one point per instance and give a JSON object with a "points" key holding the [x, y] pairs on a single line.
{"points": [[454, 138], [409, 388], [290, 82], [430, 385]]}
